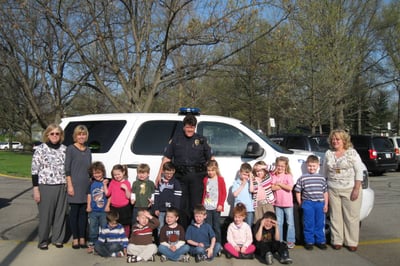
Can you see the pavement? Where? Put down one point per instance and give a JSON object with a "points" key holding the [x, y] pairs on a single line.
{"points": [[18, 243]]}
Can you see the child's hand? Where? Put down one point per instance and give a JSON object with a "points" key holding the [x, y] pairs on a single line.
{"points": [[88, 209], [107, 209], [105, 181], [209, 252], [124, 187], [172, 248], [237, 248]]}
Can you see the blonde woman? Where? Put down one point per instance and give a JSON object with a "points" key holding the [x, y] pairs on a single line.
{"points": [[343, 170]]}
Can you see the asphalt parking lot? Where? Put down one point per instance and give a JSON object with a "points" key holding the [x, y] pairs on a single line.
{"points": [[379, 240]]}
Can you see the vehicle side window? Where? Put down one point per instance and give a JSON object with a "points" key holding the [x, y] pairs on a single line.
{"points": [[296, 143], [382, 143], [224, 139], [102, 134], [153, 136]]}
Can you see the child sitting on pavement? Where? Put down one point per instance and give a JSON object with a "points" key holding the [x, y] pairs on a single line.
{"points": [[112, 241], [172, 239], [141, 246], [201, 237], [267, 235]]}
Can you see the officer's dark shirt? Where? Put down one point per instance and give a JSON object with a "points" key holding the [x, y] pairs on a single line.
{"points": [[184, 151]]}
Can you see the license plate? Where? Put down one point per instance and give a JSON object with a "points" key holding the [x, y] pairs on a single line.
{"points": [[388, 155]]}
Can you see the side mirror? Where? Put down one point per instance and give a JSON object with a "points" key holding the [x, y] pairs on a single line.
{"points": [[253, 150]]}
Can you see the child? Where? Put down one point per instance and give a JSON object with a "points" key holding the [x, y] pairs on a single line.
{"points": [[97, 203], [282, 185], [242, 193], [142, 196], [112, 241], [119, 193], [260, 187], [172, 239], [239, 236], [214, 196], [201, 237], [167, 194], [267, 237], [312, 196], [141, 246]]}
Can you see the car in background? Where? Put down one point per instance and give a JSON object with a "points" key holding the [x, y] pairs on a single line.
{"points": [[376, 152], [14, 146], [396, 144], [317, 144]]}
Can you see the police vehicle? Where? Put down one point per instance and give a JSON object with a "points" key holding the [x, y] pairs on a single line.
{"points": [[134, 138]]}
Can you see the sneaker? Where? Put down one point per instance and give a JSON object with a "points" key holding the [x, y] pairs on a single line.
{"points": [[246, 256], [285, 259], [290, 245], [219, 253], [131, 259], [308, 246], [163, 258], [321, 246], [269, 258], [228, 255], [184, 258], [200, 257]]}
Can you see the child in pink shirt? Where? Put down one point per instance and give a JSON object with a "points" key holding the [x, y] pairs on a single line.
{"points": [[239, 236], [282, 185], [119, 193]]}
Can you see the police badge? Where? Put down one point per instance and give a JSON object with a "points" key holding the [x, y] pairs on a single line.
{"points": [[196, 142]]}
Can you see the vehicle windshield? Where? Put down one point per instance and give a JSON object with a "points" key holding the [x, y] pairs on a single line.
{"points": [[268, 141]]}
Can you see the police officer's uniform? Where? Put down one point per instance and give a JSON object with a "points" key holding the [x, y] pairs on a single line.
{"points": [[189, 156]]}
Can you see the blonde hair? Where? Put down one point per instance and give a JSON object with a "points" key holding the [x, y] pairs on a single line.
{"points": [[259, 163], [78, 130], [343, 135], [51, 127], [143, 168], [286, 161], [213, 165]]}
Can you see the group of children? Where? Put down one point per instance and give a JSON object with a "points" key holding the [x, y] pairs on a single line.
{"points": [[262, 202]]}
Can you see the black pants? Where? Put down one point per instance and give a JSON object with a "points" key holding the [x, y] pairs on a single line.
{"points": [[273, 246], [192, 194]]}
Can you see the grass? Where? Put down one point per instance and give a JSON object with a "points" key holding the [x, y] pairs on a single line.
{"points": [[15, 163]]}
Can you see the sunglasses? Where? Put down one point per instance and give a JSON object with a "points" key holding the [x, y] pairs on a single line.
{"points": [[54, 133]]}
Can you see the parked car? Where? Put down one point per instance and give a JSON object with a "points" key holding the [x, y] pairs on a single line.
{"points": [[377, 153], [396, 144], [135, 138], [14, 146], [317, 144]]}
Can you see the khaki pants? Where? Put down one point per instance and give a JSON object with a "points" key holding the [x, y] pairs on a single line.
{"points": [[345, 217]]}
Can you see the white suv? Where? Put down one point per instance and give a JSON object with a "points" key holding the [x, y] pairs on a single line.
{"points": [[14, 146], [134, 138]]}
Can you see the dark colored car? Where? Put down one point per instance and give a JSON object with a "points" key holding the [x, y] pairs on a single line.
{"points": [[377, 153], [314, 143]]}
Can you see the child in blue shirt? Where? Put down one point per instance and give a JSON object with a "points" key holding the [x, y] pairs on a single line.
{"points": [[241, 191], [112, 241], [97, 203], [201, 237]]}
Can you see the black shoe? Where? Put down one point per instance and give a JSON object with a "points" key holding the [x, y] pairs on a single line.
{"points": [[284, 258], [228, 255], [200, 257], [321, 246], [59, 245], [309, 246], [76, 246], [43, 247], [246, 256]]}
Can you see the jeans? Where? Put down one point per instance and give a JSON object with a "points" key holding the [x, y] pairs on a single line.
{"points": [[96, 220], [106, 249], [313, 221], [202, 250], [161, 218], [173, 255], [250, 218], [283, 213], [213, 220]]}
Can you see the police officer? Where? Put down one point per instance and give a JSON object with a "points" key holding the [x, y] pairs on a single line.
{"points": [[189, 152]]}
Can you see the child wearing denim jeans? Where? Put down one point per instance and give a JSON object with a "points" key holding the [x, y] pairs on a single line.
{"points": [[97, 203]]}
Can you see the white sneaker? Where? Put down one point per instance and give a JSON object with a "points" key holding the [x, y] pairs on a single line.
{"points": [[163, 258], [184, 258], [290, 245]]}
